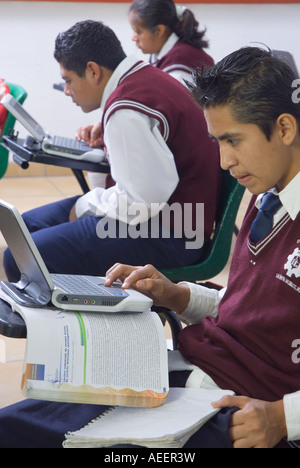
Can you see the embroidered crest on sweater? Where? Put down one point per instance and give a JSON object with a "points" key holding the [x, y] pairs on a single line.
{"points": [[293, 264]]}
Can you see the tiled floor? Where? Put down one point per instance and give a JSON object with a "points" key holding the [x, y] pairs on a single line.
{"points": [[26, 193]]}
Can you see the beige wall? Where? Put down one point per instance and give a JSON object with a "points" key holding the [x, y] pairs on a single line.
{"points": [[28, 30]]}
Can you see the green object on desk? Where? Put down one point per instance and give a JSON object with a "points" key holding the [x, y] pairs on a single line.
{"points": [[20, 95]]}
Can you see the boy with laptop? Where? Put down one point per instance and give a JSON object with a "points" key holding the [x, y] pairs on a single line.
{"points": [[159, 152], [247, 340]]}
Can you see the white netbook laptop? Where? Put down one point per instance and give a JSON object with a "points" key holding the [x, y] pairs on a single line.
{"points": [[38, 288], [51, 144]]}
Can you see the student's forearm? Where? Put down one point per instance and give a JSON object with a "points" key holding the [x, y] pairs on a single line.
{"points": [[151, 282]]}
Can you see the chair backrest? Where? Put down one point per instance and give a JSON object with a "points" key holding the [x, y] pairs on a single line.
{"points": [[20, 95], [220, 245]]}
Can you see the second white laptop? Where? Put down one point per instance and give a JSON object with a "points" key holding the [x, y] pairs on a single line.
{"points": [[56, 145]]}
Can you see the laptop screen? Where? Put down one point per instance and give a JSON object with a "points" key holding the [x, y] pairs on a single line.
{"points": [[34, 273], [18, 111]]}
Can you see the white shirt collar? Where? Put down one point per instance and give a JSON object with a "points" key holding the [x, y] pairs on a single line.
{"points": [[113, 82], [165, 48], [289, 197]]}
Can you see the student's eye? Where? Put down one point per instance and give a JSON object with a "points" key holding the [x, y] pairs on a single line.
{"points": [[232, 142]]}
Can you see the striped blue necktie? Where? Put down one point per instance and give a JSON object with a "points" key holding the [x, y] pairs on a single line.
{"points": [[263, 222]]}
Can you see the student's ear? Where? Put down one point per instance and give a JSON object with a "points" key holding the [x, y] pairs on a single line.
{"points": [[162, 31], [93, 71], [287, 127]]}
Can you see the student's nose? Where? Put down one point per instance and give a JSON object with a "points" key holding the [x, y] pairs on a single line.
{"points": [[227, 158], [134, 37], [67, 90]]}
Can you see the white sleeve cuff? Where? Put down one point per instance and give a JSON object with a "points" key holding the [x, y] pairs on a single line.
{"points": [[203, 302]]}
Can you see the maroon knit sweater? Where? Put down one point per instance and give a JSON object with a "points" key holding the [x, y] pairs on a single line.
{"points": [[248, 348], [152, 92], [184, 57]]}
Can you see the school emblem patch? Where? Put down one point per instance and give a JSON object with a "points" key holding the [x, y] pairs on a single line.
{"points": [[293, 264]]}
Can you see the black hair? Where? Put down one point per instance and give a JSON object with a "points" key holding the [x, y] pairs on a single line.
{"points": [[253, 82], [88, 41], [155, 12]]}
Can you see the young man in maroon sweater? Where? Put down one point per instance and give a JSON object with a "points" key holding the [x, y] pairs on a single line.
{"points": [[160, 157], [248, 338]]}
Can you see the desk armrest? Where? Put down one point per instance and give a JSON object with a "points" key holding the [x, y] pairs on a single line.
{"points": [[11, 324]]}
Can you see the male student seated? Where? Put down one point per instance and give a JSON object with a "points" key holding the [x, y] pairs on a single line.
{"points": [[247, 339], [160, 155]]}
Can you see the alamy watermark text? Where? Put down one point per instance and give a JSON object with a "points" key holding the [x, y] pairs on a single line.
{"points": [[158, 220]]}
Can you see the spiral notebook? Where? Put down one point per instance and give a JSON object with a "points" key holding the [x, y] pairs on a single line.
{"points": [[167, 426]]}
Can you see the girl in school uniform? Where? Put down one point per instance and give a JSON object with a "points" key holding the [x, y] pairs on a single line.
{"points": [[169, 33]]}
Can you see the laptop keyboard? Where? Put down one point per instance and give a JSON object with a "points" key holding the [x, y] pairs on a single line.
{"points": [[74, 284], [65, 142]]}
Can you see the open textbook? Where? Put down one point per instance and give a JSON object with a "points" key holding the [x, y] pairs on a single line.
{"points": [[167, 426], [97, 358]]}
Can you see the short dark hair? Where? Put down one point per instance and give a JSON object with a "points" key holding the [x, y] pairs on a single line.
{"points": [[88, 41], [154, 12], [253, 82]]}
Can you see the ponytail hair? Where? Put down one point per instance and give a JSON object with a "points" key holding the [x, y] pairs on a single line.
{"points": [[178, 19]]}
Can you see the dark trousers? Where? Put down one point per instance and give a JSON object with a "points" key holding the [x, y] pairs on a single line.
{"points": [[75, 248], [41, 424]]}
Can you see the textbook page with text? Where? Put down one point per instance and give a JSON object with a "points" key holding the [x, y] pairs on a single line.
{"points": [[97, 358]]}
